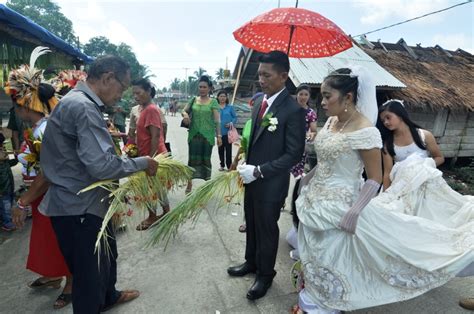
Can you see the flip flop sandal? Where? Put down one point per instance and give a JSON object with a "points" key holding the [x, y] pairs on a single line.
{"points": [[125, 296], [56, 284], [143, 226], [62, 300]]}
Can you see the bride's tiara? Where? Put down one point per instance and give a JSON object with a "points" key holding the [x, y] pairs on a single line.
{"points": [[395, 100], [352, 74]]}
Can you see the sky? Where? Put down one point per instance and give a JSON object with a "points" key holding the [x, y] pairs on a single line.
{"points": [[174, 38]]}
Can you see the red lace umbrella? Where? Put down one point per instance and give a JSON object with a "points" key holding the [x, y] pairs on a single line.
{"points": [[298, 32]]}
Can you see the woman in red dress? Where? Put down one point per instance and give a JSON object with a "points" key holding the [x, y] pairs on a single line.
{"points": [[33, 102]]}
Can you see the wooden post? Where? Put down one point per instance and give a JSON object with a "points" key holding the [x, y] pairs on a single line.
{"points": [[238, 79]]}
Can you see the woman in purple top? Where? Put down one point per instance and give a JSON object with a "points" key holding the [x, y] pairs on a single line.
{"points": [[303, 93]]}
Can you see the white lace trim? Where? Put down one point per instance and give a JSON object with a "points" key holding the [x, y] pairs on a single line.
{"points": [[400, 274], [366, 138], [330, 286]]}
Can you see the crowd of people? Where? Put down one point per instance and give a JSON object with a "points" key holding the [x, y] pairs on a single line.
{"points": [[375, 223]]}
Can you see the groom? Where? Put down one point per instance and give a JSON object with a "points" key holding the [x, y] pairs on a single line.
{"points": [[276, 144]]}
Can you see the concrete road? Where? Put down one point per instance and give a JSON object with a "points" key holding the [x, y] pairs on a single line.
{"points": [[190, 276]]}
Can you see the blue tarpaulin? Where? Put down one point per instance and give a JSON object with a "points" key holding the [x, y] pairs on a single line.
{"points": [[24, 24]]}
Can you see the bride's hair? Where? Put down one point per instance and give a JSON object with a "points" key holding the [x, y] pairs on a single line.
{"points": [[396, 107], [344, 82]]}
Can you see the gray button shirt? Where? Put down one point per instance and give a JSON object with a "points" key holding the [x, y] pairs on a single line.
{"points": [[77, 150]]}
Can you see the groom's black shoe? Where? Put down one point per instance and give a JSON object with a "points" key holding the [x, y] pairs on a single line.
{"points": [[241, 270], [259, 288]]}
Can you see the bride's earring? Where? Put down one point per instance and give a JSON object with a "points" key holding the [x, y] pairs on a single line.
{"points": [[345, 110]]}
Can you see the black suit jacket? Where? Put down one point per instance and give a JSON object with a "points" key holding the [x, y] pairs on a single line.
{"points": [[278, 151]]}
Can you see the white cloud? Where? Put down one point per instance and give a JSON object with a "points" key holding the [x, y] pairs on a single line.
{"points": [[117, 33], [92, 12], [190, 49], [86, 32], [150, 47], [454, 41], [376, 11]]}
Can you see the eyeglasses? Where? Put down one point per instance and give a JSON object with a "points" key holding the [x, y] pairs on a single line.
{"points": [[122, 85]]}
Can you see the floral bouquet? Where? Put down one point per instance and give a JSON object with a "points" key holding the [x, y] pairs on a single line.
{"points": [[131, 150], [30, 157]]}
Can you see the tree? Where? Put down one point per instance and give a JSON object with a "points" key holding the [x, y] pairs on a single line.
{"points": [[200, 72], [137, 70], [220, 74], [192, 85], [100, 46], [47, 14], [175, 84]]}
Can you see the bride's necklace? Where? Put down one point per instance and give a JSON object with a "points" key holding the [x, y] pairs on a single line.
{"points": [[347, 121]]}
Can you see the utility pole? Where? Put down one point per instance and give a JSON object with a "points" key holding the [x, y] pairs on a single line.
{"points": [[186, 82]]}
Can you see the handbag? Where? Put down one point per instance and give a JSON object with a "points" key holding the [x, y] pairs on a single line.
{"points": [[184, 124], [232, 135]]}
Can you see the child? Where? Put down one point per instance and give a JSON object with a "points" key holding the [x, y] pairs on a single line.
{"points": [[6, 187]]}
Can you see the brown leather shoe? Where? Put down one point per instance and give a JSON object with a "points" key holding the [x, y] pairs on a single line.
{"points": [[467, 303], [125, 296]]}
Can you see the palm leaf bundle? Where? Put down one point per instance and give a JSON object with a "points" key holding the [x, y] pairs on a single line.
{"points": [[224, 188], [140, 191]]}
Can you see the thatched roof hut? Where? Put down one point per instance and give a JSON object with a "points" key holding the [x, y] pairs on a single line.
{"points": [[435, 78], [439, 90]]}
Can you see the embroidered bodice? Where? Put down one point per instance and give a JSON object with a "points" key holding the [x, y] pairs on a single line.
{"points": [[338, 175]]}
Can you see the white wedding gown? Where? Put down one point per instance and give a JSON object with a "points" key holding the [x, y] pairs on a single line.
{"points": [[414, 237]]}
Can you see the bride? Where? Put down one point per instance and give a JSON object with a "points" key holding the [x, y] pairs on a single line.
{"points": [[358, 250]]}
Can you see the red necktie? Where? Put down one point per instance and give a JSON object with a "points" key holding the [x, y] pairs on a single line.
{"points": [[263, 108]]}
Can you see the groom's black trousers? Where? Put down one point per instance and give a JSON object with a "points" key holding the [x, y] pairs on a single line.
{"points": [[263, 233]]}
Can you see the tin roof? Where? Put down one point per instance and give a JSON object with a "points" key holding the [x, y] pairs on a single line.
{"points": [[313, 71]]}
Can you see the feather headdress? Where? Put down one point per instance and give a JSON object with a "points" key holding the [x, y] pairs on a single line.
{"points": [[23, 84], [67, 80]]}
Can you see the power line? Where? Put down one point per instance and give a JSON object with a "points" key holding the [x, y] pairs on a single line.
{"points": [[415, 18]]}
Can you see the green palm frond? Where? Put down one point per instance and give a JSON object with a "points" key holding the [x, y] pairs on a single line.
{"points": [[141, 191], [223, 188]]}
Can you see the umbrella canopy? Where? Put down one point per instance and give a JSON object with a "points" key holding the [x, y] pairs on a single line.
{"points": [[298, 32]]}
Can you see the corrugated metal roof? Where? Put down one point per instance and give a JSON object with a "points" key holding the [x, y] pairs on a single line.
{"points": [[314, 70]]}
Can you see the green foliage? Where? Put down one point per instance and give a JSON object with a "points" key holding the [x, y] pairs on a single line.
{"points": [[200, 72], [47, 14], [100, 46], [141, 192], [461, 179], [191, 84], [175, 84], [220, 74], [224, 188]]}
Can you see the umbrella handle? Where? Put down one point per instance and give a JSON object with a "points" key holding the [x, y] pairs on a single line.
{"points": [[292, 29]]}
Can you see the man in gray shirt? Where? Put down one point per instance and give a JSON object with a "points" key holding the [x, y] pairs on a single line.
{"points": [[77, 150]]}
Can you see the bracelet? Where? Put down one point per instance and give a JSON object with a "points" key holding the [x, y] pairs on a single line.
{"points": [[22, 206]]}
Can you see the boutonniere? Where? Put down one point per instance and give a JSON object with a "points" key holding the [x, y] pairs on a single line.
{"points": [[269, 122]]}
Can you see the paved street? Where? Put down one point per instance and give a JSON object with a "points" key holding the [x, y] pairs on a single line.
{"points": [[190, 276]]}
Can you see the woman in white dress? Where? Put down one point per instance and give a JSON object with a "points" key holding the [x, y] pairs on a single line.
{"points": [[358, 251], [402, 138]]}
